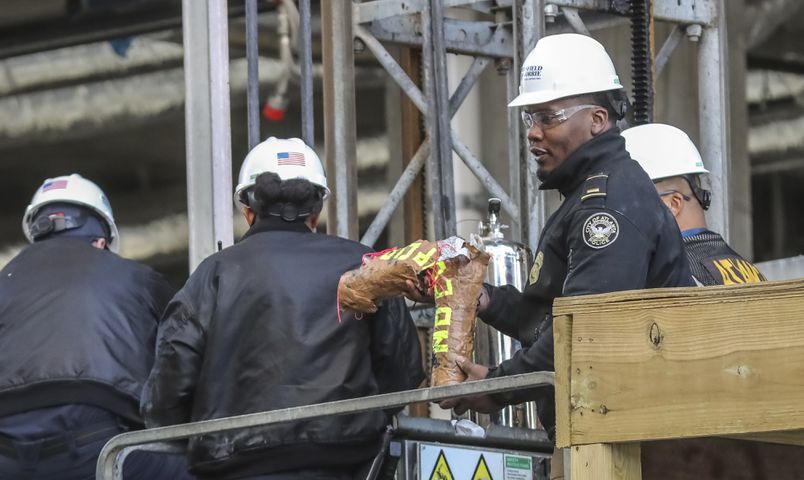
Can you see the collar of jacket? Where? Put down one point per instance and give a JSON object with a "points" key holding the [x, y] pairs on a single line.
{"points": [[591, 157], [274, 224]]}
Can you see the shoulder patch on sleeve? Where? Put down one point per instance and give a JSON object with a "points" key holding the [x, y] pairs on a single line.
{"points": [[594, 187], [600, 230]]}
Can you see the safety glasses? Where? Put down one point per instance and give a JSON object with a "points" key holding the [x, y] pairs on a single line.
{"points": [[547, 120]]}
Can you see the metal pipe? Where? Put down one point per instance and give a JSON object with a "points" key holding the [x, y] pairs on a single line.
{"points": [[207, 132], [252, 60], [532, 201], [713, 97], [484, 176], [392, 67], [397, 194], [432, 430], [306, 72], [668, 48], [106, 459], [340, 135], [442, 183], [468, 81], [575, 20], [221, 124]]}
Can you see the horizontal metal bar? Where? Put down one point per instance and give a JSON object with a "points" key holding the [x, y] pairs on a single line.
{"points": [[371, 11], [460, 36], [397, 194], [433, 430], [106, 460], [685, 12], [485, 177]]}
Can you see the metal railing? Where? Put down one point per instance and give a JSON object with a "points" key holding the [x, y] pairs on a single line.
{"points": [[110, 461]]}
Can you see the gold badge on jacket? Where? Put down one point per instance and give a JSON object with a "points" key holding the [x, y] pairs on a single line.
{"points": [[537, 267]]}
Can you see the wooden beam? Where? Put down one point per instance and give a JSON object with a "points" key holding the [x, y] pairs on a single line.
{"points": [[792, 437], [606, 462], [677, 363], [412, 137], [562, 336]]}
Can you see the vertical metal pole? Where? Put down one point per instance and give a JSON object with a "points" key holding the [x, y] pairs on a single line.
{"points": [[529, 26], [207, 132], [252, 58], [438, 121], [714, 118], [340, 135], [306, 70]]}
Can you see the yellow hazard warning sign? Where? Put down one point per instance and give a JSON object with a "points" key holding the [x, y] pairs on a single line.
{"points": [[441, 470], [482, 470]]}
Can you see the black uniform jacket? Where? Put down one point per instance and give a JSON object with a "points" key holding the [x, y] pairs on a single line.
{"points": [[256, 328], [77, 325], [611, 233], [714, 262]]}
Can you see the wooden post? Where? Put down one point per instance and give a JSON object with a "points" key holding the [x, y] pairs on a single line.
{"points": [[412, 136], [611, 461]]}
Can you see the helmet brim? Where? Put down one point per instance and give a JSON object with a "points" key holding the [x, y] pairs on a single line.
{"points": [[535, 98]]}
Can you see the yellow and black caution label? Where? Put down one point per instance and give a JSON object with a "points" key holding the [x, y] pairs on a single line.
{"points": [[482, 470], [733, 270], [441, 470]]}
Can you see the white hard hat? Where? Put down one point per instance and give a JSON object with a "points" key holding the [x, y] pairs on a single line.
{"points": [[288, 158], [562, 66], [73, 189], [663, 151]]}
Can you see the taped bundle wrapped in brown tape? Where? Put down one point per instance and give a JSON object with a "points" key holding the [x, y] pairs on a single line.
{"points": [[457, 284], [384, 275]]}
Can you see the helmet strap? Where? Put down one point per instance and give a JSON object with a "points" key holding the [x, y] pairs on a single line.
{"points": [[46, 225], [287, 212], [701, 194]]}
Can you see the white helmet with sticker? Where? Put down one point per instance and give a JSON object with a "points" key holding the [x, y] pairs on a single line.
{"points": [[565, 65], [73, 189], [288, 158]]}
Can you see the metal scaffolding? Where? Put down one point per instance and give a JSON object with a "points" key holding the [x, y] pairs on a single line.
{"points": [[516, 27]]}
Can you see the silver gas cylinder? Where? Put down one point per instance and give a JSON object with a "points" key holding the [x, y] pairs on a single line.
{"points": [[509, 265]]}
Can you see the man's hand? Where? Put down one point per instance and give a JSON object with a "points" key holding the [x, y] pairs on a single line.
{"points": [[417, 294], [478, 403]]}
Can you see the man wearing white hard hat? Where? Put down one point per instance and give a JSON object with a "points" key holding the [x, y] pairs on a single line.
{"points": [[674, 164], [611, 233], [78, 339], [256, 328]]}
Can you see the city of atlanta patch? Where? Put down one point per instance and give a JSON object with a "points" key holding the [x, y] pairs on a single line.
{"points": [[600, 230]]}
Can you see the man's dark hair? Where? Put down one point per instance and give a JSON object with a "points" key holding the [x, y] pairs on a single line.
{"points": [[290, 199]]}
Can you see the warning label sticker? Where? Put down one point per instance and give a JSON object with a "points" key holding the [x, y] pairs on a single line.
{"points": [[447, 462], [518, 467], [441, 470], [482, 470]]}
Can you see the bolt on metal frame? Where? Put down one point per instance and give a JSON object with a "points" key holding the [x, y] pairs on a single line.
{"points": [[113, 455]]}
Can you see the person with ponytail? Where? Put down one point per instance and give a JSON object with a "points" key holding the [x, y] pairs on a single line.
{"points": [[256, 328]]}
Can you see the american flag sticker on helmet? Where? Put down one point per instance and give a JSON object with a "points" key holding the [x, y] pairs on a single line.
{"points": [[290, 158], [54, 185]]}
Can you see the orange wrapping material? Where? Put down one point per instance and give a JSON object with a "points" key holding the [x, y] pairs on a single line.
{"points": [[457, 285], [385, 276]]}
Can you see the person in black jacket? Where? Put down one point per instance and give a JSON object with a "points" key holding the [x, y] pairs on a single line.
{"points": [[674, 164], [256, 328], [611, 232], [77, 336]]}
